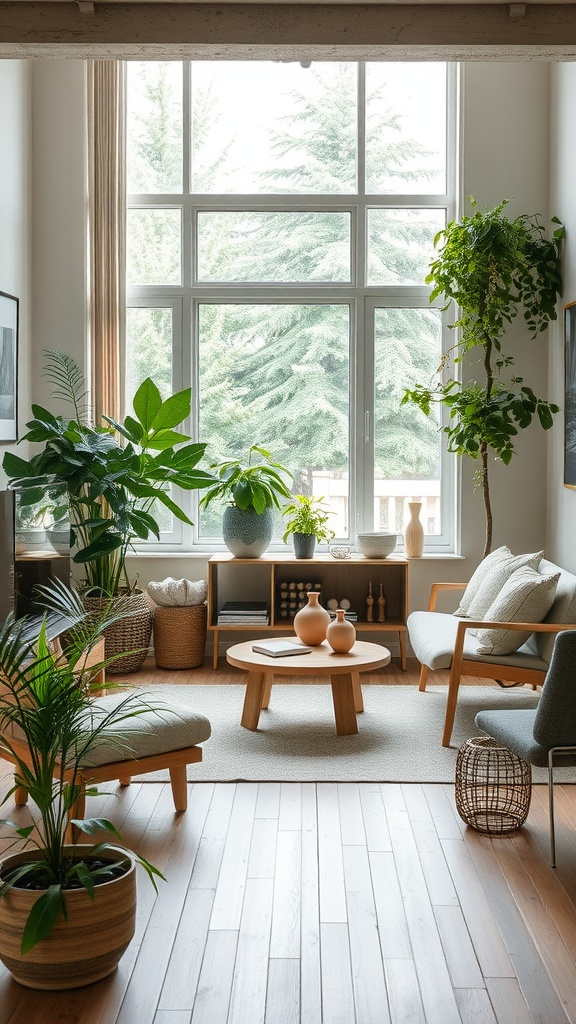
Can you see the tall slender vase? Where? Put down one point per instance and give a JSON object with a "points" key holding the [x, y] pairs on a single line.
{"points": [[312, 621], [414, 532]]}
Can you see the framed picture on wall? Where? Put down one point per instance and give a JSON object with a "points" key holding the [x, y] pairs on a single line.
{"points": [[8, 368], [570, 395]]}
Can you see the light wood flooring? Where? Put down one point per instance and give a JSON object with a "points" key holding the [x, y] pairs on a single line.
{"points": [[331, 904]]}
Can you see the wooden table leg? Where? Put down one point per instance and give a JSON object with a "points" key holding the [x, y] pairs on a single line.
{"points": [[255, 683], [344, 704], [358, 699], [402, 650], [267, 690]]}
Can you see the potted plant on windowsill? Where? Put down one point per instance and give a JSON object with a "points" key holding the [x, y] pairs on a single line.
{"points": [[67, 910], [253, 490], [115, 475], [307, 524]]}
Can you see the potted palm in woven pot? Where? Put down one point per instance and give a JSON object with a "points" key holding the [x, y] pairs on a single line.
{"points": [[252, 488], [116, 476], [67, 909]]}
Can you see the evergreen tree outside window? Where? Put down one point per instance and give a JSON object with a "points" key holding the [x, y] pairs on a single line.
{"points": [[281, 222]]}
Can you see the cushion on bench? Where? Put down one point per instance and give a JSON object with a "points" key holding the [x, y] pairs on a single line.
{"points": [[433, 635]]}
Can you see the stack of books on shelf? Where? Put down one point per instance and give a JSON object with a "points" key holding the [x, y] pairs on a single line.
{"points": [[244, 613]]}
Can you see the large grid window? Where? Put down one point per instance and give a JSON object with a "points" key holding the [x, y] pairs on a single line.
{"points": [[281, 220]]}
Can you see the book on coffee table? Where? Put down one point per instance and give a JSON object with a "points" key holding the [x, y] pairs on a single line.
{"points": [[280, 648]]}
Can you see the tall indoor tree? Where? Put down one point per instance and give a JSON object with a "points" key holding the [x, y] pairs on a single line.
{"points": [[494, 269]]}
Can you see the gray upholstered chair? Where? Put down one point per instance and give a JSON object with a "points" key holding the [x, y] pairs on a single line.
{"points": [[544, 736]]}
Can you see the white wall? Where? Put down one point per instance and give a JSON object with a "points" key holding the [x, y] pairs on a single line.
{"points": [[562, 500], [505, 155], [15, 213]]}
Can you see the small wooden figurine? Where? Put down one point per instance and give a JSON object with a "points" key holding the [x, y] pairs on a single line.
{"points": [[370, 604], [381, 606]]}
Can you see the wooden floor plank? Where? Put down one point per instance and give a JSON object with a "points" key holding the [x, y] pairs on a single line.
{"points": [[283, 998], [310, 975], [389, 904], [285, 936], [435, 986], [374, 816], [331, 868], [351, 818], [179, 988], [231, 884], [262, 859], [368, 979], [249, 984], [268, 802], [475, 1006], [403, 992], [290, 814], [508, 1001], [438, 879], [215, 982], [458, 948], [213, 839], [337, 989], [172, 1017]]}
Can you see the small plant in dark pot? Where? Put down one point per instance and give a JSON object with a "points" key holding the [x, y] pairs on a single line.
{"points": [[307, 524], [252, 489]]}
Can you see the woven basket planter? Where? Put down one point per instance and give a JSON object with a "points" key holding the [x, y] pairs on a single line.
{"points": [[493, 786], [130, 634], [180, 636]]}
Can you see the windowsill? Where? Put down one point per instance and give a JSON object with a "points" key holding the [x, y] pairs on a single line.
{"points": [[206, 555]]}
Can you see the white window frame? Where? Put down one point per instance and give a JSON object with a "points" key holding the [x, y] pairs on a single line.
{"points": [[363, 300]]}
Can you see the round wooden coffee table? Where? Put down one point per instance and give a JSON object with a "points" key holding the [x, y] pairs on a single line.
{"points": [[343, 671]]}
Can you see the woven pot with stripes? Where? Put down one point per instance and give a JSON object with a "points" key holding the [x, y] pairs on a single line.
{"points": [[131, 634]]}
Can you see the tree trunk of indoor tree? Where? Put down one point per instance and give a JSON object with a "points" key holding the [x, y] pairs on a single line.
{"points": [[486, 496]]}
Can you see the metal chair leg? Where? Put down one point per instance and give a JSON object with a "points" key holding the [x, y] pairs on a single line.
{"points": [[551, 808]]}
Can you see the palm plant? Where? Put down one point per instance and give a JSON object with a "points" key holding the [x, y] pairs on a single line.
{"points": [[47, 708], [113, 486]]}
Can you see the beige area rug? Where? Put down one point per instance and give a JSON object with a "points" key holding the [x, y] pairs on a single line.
{"points": [[398, 739]]}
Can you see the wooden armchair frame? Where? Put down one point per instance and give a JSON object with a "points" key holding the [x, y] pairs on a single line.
{"points": [[489, 670]]}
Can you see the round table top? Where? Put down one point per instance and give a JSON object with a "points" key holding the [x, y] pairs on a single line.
{"points": [[322, 660]]}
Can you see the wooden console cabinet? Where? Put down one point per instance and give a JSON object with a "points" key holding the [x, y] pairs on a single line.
{"points": [[258, 579]]}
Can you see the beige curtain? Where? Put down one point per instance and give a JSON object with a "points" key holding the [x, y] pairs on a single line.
{"points": [[107, 231]]}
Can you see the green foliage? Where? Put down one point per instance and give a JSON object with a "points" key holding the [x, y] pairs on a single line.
{"points": [[112, 487], [494, 269], [308, 515], [48, 699], [249, 486]]}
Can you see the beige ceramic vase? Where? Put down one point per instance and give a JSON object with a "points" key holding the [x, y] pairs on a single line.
{"points": [[312, 621], [341, 634], [414, 532]]}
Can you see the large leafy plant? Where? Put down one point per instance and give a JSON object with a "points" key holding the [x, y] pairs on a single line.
{"points": [[494, 269], [115, 474], [249, 485], [47, 701]]}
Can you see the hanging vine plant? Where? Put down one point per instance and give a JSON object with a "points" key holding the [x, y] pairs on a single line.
{"points": [[493, 269]]}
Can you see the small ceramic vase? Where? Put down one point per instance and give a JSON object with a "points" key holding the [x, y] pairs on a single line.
{"points": [[312, 621], [414, 532], [341, 634]]}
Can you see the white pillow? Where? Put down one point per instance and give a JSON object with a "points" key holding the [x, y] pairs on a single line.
{"points": [[178, 593], [489, 578], [526, 597]]}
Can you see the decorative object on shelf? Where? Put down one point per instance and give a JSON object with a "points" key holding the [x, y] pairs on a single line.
{"points": [[414, 532], [59, 536], [493, 786], [307, 524], [180, 636], [496, 270], [253, 492], [381, 605], [292, 595], [341, 634], [370, 604], [340, 551], [376, 544], [332, 604], [178, 593], [311, 622]]}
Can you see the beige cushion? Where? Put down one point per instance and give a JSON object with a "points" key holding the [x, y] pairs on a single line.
{"points": [[526, 597], [433, 635], [489, 578], [163, 728], [178, 593]]}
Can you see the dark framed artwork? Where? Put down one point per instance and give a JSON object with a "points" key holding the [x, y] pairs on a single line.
{"points": [[570, 395], [8, 368]]}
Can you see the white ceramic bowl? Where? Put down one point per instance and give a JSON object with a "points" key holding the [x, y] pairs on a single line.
{"points": [[376, 545]]}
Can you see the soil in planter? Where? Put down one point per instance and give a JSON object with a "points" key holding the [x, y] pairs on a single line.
{"points": [[31, 884]]}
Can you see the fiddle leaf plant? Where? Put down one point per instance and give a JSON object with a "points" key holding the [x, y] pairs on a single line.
{"points": [[247, 484], [494, 269], [116, 475]]}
